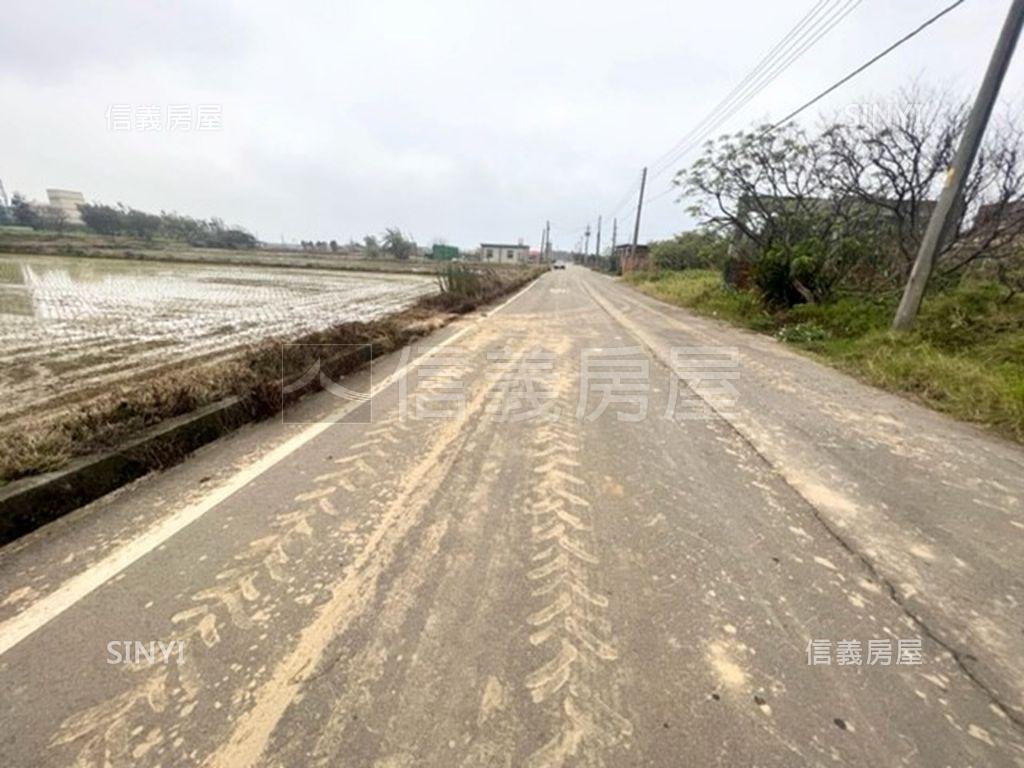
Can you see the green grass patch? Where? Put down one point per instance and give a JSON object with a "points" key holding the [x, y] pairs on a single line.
{"points": [[703, 290], [965, 357]]}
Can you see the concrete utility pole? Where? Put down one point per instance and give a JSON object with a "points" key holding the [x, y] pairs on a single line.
{"points": [[639, 208], [615, 233], [546, 252], [597, 245], [586, 243], [949, 204]]}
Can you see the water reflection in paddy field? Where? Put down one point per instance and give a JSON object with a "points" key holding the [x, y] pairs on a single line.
{"points": [[70, 323]]}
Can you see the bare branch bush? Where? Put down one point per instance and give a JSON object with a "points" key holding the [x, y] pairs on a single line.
{"points": [[846, 206], [793, 237]]}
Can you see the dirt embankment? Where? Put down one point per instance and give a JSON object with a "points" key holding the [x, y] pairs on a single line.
{"points": [[43, 442], [91, 246]]}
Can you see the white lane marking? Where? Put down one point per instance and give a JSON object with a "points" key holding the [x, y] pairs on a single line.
{"points": [[47, 608]]}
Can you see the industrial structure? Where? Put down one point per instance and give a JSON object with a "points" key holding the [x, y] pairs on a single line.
{"points": [[632, 259], [443, 252], [66, 202]]}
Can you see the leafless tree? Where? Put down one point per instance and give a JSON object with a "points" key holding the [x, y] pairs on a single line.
{"points": [[53, 219], [851, 200], [895, 158]]}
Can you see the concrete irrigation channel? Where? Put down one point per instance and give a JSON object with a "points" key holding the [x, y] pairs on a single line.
{"points": [[188, 352]]}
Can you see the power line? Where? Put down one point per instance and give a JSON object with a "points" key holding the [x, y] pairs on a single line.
{"points": [[758, 81], [625, 198], [866, 64], [822, 17], [661, 194], [842, 81], [951, 198], [756, 88], [764, 61]]}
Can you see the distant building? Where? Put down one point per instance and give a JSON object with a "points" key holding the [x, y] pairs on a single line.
{"points": [[883, 215], [67, 202], [1008, 215], [630, 261], [441, 252], [502, 253]]}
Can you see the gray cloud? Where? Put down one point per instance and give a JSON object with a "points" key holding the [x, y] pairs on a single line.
{"points": [[461, 119], [49, 41]]}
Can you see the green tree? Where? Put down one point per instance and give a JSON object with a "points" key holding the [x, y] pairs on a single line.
{"points": [[104, 219], [24, 214], [696, 249], [142, 224], [371, 246], [398, 246], [793, 235]]}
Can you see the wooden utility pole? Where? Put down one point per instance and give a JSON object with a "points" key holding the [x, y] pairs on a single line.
{"points": [[639, 208], [949, 205]]}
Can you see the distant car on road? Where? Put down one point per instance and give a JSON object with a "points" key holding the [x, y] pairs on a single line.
{"points": [[558, 265]]}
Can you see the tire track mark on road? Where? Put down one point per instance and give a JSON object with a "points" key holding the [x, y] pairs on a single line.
{"points": [[352, 594], [834, 510], [570, 621], [44, 609], [243, 599], [304, 545]]}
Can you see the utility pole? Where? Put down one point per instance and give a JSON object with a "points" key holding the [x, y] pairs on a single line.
{"points": [[639, 208], [597, 245], [546, 252], [586, 243], [615, 234], [543, 235], [949, 205]]}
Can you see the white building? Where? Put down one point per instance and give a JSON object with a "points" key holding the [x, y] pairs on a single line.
{"points": [[503, 253], [67, 201]]}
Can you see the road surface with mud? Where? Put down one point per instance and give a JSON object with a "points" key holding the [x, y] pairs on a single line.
{"points": [[585, 529]]}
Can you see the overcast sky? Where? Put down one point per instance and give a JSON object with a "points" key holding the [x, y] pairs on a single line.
{"points": [[465, 120]]}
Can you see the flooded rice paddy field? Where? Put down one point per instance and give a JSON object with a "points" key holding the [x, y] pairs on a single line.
{"points": [[71, 324]]}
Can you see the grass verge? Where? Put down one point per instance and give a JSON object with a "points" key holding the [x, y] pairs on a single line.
{"points": [[45, 442], [964, 358]]}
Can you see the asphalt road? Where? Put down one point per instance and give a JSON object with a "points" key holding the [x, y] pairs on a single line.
{"points": [[585, 529]]}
